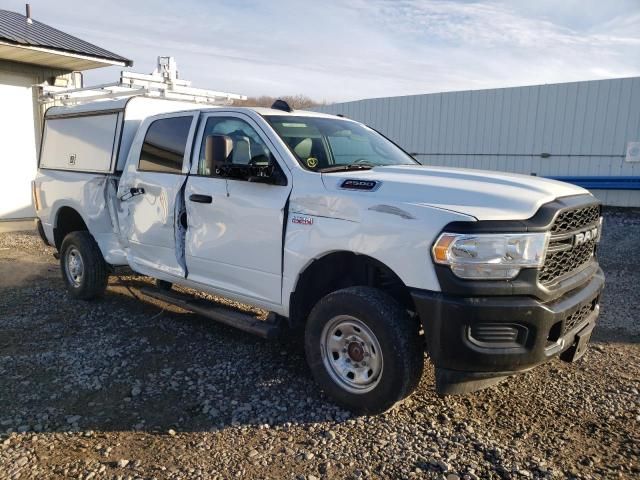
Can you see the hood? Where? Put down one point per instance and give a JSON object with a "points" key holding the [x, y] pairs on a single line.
{"points": [[485, 195]]}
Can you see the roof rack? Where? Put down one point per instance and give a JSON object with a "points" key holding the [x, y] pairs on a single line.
{"points": [[162, 83]]}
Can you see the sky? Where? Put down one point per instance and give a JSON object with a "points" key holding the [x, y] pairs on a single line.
{"points": [[347, 50]]}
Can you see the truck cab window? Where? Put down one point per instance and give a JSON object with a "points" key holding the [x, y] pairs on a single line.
{"points": [[248, 148], [164, 145]]}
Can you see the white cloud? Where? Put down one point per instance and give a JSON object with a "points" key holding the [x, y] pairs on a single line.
{"points": [[363, 48], [491, 44]]}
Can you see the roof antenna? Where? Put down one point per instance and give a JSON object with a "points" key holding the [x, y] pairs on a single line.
{"points": [[281, 105], [29, 21]]}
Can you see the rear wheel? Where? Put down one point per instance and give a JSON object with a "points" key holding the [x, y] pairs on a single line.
{"points": [[84, 270], [363, 349]]}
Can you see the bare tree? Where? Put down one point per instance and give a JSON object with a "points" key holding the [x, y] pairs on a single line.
{"points": [[297, 102]]}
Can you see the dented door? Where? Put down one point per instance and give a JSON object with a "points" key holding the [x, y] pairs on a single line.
{"points": [[150, 195]]}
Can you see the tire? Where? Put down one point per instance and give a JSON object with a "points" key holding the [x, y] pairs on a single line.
{"points": [[384, 369], [84, 270]]}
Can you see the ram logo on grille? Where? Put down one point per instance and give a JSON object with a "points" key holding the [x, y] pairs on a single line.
{"points": [[584, 237], [574, 235]]}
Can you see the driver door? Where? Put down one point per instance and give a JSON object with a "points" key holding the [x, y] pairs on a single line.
{"points": [[234, 236]]}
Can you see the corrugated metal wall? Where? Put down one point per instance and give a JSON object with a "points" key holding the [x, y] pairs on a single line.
{"points": [[584, 126]]}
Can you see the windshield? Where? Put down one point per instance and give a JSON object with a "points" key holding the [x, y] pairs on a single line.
{"points": [[328, 144]]}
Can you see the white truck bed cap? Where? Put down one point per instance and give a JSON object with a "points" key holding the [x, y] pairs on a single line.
{"points": [[142, 103]]}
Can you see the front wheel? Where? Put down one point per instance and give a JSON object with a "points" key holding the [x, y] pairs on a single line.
{"points": [[363, 349], [84, 270]]}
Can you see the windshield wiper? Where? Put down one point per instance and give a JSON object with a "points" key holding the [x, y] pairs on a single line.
{"points": [[344, 168]]}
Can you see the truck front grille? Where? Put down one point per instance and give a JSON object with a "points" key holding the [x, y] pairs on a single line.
{"points": [[559, 264], [579, 316], [563, 258], [573, 220]]}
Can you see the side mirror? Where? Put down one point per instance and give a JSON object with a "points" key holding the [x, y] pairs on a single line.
{"points": [[263, 171], [217, 152], [232, 159]]}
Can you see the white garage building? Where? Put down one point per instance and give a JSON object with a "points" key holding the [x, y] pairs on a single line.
{"points": [[32, 56]]}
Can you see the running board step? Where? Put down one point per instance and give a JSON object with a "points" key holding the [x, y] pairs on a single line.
{"points": [[268, 328]]}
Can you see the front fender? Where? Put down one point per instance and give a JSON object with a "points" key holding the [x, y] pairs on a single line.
{"points": [[398, 237]]}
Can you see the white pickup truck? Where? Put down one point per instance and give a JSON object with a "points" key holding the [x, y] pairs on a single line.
{"points": [[334, 230]]}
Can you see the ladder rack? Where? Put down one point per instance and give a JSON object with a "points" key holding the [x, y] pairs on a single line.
{"points": [[162, 83]]}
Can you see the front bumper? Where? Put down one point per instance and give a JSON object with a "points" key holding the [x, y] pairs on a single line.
{"points": [[477, 341]]}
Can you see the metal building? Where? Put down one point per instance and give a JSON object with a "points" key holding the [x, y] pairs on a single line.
{"points": [[586, 133]]}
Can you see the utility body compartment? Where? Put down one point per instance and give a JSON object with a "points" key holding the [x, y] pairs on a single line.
{"points": [[86, 143]]}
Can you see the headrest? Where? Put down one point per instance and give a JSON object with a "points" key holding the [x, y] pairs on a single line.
{"points": [[303, 149]]}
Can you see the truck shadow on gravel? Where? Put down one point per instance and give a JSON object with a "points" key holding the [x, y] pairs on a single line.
{"points": [[125, 364]]}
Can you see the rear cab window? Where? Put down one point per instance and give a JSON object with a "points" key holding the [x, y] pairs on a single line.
{"points": [[164, 145]]}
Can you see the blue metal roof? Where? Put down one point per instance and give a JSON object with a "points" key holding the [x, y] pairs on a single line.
{"points": [[15, 29]]}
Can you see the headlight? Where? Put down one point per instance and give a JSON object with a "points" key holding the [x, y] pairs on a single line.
{"points": [[490, 256]]}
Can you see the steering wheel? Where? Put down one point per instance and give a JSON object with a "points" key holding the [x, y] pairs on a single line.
{"points": [[361, 161]]}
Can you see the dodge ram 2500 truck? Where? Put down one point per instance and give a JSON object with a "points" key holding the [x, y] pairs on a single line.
{"points": [[334, 230]]}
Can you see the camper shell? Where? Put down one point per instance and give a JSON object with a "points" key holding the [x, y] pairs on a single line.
{"points": [[96, 137]]}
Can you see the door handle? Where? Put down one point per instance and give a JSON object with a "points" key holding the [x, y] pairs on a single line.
{"points": [[198, 198], [132, 192]]}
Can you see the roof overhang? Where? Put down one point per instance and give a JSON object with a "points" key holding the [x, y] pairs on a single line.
{"points": [[56, 59]]}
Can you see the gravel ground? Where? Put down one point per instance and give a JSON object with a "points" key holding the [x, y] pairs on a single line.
{"points": [[122, 388]]}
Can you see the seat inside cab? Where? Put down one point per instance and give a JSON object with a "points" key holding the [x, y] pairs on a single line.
{"points": [[307, 144]]}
